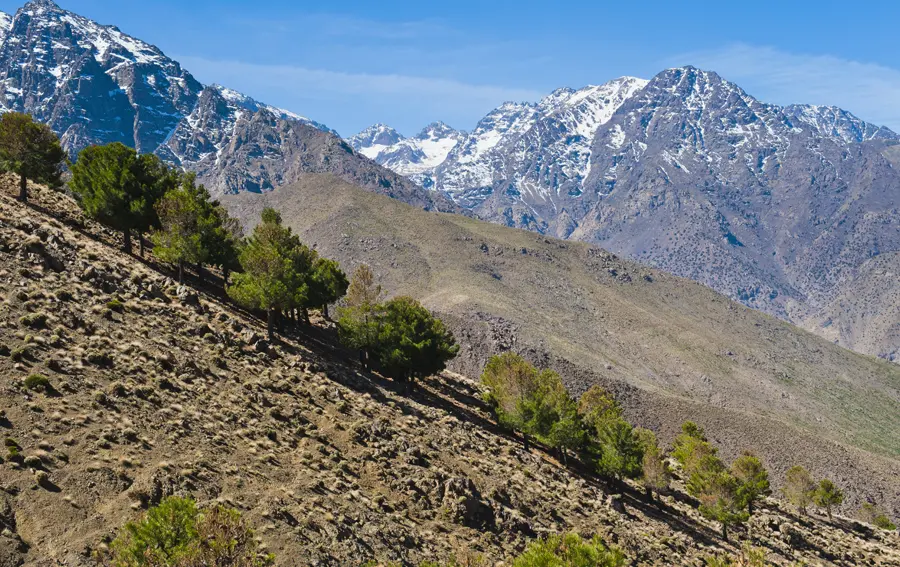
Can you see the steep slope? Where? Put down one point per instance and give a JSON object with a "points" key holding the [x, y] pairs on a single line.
{"points": [[670, 348], [775, 207], [94, 84], [158, 390]]}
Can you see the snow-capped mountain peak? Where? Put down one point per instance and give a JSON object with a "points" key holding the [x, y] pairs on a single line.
{"points": [[416, 156], [94, 84], [374, 139]]}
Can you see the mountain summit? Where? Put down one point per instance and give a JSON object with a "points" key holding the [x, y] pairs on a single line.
{"points": [[778, 207], [94, 84]]}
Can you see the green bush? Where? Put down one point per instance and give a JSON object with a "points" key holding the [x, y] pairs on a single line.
{"points": [[872, 514], [99, 358], [65, 295], [34, 320], [19, 354], [38, 383], [115, 305], [569, 550], [178, 534]]}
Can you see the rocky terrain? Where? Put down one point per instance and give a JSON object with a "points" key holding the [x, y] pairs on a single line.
{"points": [[774, 207], [671, 349], [156, 389]]}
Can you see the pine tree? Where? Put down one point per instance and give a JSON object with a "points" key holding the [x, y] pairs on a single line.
{"points": [[30, 150], [826, 495], [720, 501], [596, 406], [511, 382], [327, 284], [269, 279], [691, 448], [655, 471], [180, 241], [356, 315], [119, 188], [752, 477], [621, 453], [225, 245], [798, 487], [363, 291], [411, 342]]}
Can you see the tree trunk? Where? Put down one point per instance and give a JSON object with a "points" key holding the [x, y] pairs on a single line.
{"points": [[724, 531], [305, 313], [270, 324], [225, 272], [23, 188], [649, 493], [200, 271], [828, 510], [525, 440], [126, 246], [750, 507], [141, 242], [325, 312], [180, 272]]}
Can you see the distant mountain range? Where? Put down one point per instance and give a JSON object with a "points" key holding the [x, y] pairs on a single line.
{"points": [[778, 207], [792, 210], [94, 84]]}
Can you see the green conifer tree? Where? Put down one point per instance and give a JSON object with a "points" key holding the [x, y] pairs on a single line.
{"points": [[31, 151], [180, 241], [752, 477], [826, 495], [798, 487], [119, 188], [269, 278], [327, 284], [411, 342]]}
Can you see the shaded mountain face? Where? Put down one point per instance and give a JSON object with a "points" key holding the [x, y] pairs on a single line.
{"points": [[774, 206], [94, 84]]}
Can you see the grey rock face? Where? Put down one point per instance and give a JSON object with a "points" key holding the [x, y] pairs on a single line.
{"points": [[94, 84], [91, 83], [776, 207]]}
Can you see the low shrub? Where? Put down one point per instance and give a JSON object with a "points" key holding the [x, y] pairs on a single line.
{"points": [[38, 383], [177, 532]]}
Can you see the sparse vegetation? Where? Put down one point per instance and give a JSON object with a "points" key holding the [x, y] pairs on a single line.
{"points": [[872, 514]]}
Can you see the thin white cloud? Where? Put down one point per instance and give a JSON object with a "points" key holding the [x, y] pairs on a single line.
{"points": [[869, 90], [327, 83]]}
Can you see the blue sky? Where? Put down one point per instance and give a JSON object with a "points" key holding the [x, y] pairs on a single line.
{"points": [[352, 63]]}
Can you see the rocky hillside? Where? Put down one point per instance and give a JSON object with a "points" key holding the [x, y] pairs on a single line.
{"points": [[775, 207], [94, 84], [671, 349], [156, 389]]}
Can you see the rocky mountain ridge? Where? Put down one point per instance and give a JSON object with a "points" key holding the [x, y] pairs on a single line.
{"points": [[94, 84], [774, 206]]}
